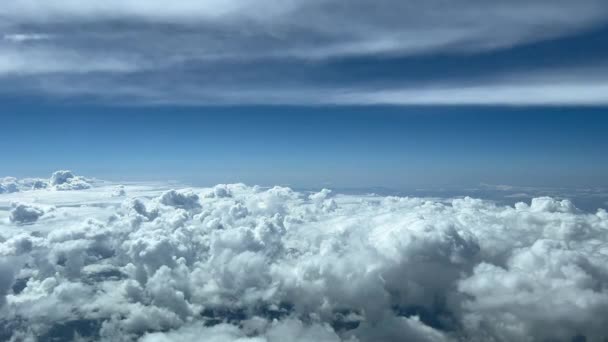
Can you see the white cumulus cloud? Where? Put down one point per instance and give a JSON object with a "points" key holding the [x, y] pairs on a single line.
{"points": [[241, 263]]}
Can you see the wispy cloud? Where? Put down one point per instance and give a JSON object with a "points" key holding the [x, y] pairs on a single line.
{"points": [[211, 49], [38, 61], [485, 94], [559, 87], [25, 37]]}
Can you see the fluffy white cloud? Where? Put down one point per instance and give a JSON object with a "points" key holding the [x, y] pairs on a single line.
{"points": [[240, 263], [60, 180], [66, 180]]}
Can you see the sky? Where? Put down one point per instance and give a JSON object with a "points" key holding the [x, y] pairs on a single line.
{"points": [[304, 170], [393, 147], [307, 93]]}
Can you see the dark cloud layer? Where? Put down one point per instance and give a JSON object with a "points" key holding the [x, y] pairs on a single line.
{"points": [[299, 52]]}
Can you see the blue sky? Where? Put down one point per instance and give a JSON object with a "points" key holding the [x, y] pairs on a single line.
{"points": [[390, 146], [307, 93]]}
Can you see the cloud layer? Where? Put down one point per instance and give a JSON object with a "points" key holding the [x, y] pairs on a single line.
{"points": [[218, 52], [241, 263]]}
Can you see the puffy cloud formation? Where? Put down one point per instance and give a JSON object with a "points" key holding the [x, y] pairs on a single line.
{"points": [[186, 200], [61, 177], [8, 185], [23, 213], [240, 263], [66, 180], [60, 180]]}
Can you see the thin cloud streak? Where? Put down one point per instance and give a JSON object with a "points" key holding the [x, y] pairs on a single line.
{"points": [[560, 87]]}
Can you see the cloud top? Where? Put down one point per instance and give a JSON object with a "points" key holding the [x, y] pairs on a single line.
{"points": [[240, 263], [23, 213], [62, 180]]}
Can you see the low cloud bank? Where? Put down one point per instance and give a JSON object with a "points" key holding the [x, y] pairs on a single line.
{"points": [[240, 263], [61, 180]]}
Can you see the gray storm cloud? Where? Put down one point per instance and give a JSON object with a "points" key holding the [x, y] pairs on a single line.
{"points": [[240, 263]]}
